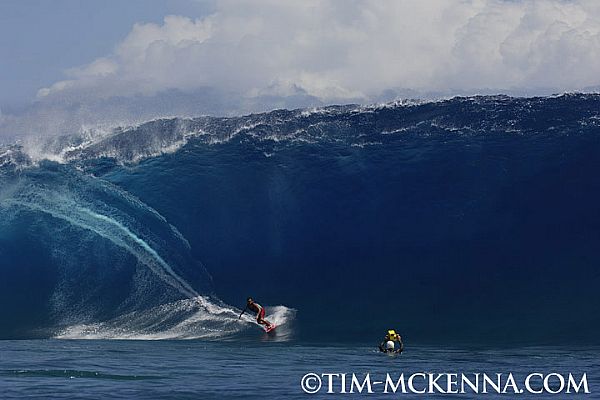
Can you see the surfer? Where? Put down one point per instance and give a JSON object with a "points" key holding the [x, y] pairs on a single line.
{"points": [[389, 343], [260, 312]]}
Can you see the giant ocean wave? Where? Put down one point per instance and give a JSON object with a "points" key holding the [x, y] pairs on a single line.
{"points": [[465, 218]]}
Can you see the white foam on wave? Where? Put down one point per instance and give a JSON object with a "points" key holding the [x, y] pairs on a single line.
{"points": [[97, 140], [57, 148], [196, 318], [112, 230]]}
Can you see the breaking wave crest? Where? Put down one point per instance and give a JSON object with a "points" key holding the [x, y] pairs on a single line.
{"points": [[353, 125]]}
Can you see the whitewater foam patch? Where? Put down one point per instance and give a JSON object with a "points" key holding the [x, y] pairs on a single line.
{"points": [[196, 318]]}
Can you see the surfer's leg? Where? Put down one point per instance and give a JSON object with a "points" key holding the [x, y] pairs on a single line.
{"points": [[260, 318], [263, 322]]}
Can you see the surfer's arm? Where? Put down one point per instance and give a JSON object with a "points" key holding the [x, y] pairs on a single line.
{"points": [[243, 311]]}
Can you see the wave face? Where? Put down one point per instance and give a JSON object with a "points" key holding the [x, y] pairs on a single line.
{"points": [[470, 219]]}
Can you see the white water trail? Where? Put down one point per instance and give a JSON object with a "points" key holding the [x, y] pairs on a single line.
{"points": [[194, 317], [183, 319], [180, 283], [121, 236]]}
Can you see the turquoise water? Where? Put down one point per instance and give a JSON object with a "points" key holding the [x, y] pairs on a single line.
{"points": [[94, 369]]}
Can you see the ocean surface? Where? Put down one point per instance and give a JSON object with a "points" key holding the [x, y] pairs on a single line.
{"points": [[258, 369]]}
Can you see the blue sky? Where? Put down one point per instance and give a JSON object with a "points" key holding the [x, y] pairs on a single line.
{"points": [[40, 39], [66, 64]]}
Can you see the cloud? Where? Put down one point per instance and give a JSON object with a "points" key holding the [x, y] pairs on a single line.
{"points": [[354, 49], [249, 55]]}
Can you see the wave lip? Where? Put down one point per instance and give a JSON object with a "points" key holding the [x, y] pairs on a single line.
{"points": [[471, 115]]}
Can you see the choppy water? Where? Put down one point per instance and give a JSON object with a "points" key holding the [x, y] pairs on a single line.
{"points": [[99, 369]]}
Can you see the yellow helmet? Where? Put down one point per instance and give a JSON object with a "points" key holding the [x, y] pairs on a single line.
{"points": [[392, 335]]}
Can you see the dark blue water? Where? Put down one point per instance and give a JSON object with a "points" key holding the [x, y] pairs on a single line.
{"points": [[207, 370], [472, 220]]}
